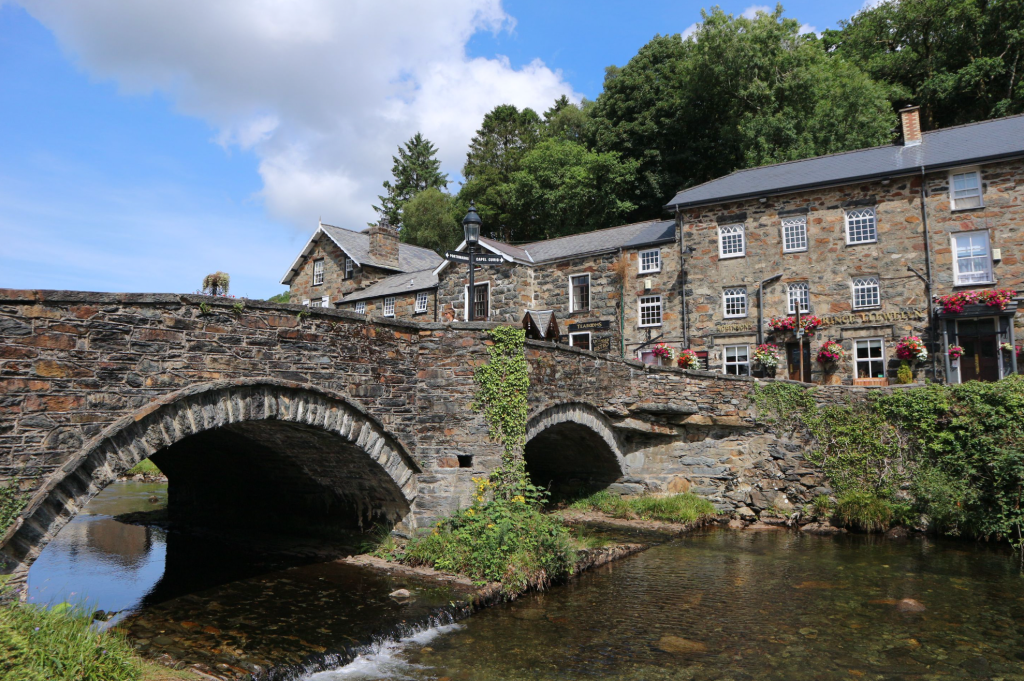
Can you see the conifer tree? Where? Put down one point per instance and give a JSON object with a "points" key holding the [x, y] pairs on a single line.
{"points": [[415, 169]]}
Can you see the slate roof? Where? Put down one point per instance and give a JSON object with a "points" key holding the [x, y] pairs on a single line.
{"points": [[624, 236], [357, 246], [396, 284], [939, 149]]}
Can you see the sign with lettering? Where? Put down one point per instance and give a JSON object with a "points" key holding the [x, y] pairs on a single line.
{"points": [[478, 258], [854, 318], [736, 328], [590, 326], [603, 345]]}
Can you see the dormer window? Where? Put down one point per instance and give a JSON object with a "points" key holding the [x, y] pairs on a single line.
{"points": [[650, 261], [349, 267]]}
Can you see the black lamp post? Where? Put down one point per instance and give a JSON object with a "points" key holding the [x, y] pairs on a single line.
{"points": [[471, 228]]}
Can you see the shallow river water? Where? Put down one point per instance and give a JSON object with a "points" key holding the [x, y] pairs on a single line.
{"points": [[717, 605]]}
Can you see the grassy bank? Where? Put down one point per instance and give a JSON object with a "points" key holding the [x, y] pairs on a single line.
{"points": [[679, 508], [145, 467]]}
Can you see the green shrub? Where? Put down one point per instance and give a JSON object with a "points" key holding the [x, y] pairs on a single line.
{"points": [[11, 503], [60, 644], [867, 512], [821, 506], [145, 467], [679, 508], [503, 540], [904, 374]]}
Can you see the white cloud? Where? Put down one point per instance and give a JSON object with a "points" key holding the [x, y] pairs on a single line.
{"points": [[807, 28], [690, 30], [321, 91], [751, 12]]}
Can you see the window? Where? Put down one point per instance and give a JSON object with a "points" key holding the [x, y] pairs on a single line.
{"points": [[481, 302], [799, 293], [735, 302], [325, 302], [650, 261], [866, 292], [650, 311], [580, 340], [318, 272], [794, 234], [860, 226], [870, 358], [737, 360], [579, 292], [349, 267], [730, 241], [973, 263], [361, 307], [965, 190], [389, 307], [421, 301]]}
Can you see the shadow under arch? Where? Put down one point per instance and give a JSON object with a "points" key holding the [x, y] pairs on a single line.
{"points": [[265, 450], [571, 449]]}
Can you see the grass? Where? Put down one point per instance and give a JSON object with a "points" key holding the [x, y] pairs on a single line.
{"points": [[867, 512], [60, 644], [145, 467], [679, 508], [821, 506]]}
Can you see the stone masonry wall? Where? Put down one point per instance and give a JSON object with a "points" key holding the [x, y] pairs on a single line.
{"points": [[335, 285], [405, 307]]}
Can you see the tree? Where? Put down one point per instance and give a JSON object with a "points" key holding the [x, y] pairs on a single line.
{"points": [[495, 153], [430, 221], [738, 92], [567, 121], [415, 169], [960, 60], [563, 188], [216, 284]]}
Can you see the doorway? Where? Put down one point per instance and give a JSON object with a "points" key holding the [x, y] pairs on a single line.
{"points": [[793, 358], [978, 338]]}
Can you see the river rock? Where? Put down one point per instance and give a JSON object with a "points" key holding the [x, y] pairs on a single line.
{"points": [[910, 605], [680, 646], [400, 594], [822, 528], [898, 532], [736, 524]]}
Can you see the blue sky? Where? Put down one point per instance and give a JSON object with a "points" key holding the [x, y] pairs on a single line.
{"points": [[141, 149]]}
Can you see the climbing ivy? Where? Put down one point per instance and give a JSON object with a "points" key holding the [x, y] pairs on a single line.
{"points": [[11, 503], [502, 386], [778, 402]]}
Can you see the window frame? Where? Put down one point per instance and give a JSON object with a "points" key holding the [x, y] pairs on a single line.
{"points": [[722, 255], [384, 306], [952, 189], [360, 307], [878, 291], [725, 302], [857, 361], [318, 262], [657, 255], [590, 341], [801, 285], [795, 220], [465, 301], [350, 268], [726, 363], [874, 224], [956, 259], [426, 302], [572, 297], [640, 311], [325, 301]]}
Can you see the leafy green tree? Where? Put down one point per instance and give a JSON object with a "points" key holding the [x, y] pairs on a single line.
{"points": [[430, 221], [739, 92], [563, 188], [415, 169], [495, 154], [567, 121], [960, 60]]}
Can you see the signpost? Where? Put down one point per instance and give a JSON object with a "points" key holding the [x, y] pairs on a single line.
{"points": [[471, 227]]}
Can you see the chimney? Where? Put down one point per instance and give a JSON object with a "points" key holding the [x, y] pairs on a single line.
{"points": [[911, 120], [384, 244]]}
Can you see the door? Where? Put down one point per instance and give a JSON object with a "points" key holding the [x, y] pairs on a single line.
{"points": [[980, 361], [793, 356]]}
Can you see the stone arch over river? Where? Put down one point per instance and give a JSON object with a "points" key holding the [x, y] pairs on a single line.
{"points": [[572, 445], [261, 450]]}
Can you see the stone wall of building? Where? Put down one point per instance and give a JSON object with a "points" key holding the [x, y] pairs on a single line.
{"points": [[510, 287], [405, 307], [335, 285]]}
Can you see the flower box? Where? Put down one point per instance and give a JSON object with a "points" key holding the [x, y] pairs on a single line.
{"points": [[871, 382]]}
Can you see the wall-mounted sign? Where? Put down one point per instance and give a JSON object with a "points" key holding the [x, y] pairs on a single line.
{"points": [[851, 318], [603, 345], [590, 326], [736, 328]]}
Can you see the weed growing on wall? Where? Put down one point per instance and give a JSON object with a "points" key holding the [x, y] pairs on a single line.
{"points": [[11, 503]]}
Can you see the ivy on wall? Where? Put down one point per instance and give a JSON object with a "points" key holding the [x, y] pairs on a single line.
{"points": [[502, 386], [11, 503]]}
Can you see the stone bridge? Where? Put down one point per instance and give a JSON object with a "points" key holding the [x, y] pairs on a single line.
{"points": [[281, 414]]}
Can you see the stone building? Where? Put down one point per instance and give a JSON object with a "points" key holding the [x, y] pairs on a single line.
{"points": [[860, 243], [369, 272], [583, 279]]}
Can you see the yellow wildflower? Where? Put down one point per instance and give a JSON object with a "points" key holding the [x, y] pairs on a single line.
{"points": [[519, 499]]}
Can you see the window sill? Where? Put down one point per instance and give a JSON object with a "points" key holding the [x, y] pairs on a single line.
{"points": [[648, 326], [736, 316], [966, 210], [419, 312], [975, 283], [865, 309], [799, 250], [732, 255], [657, 271], [861, 243]]}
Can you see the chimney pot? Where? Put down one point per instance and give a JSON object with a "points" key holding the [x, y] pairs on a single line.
{"points": [[910, 119]]}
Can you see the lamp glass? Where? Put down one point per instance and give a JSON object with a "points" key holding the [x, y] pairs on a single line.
{"points": [[471, 225]]}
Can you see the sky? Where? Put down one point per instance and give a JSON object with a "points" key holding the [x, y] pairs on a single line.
{"points": [[145, 145]]}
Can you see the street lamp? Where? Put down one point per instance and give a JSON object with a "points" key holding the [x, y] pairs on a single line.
{"points": [[471, 228]]}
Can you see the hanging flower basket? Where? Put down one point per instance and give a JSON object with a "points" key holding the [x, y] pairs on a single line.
{"points": [[911, 349], [1006, 346], [956, 302], [688, 360], [955, 352], [663, 353], [809, 323], [768, 355], [831, 353]]}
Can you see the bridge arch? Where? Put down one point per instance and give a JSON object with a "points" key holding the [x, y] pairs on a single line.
{"points": [[318, 451], [571, 447]]}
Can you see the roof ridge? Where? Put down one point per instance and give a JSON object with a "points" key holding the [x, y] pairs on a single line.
{"points": [[593, 231]]}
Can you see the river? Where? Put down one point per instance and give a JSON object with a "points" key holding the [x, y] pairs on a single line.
{"points": [[715, 605]]}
